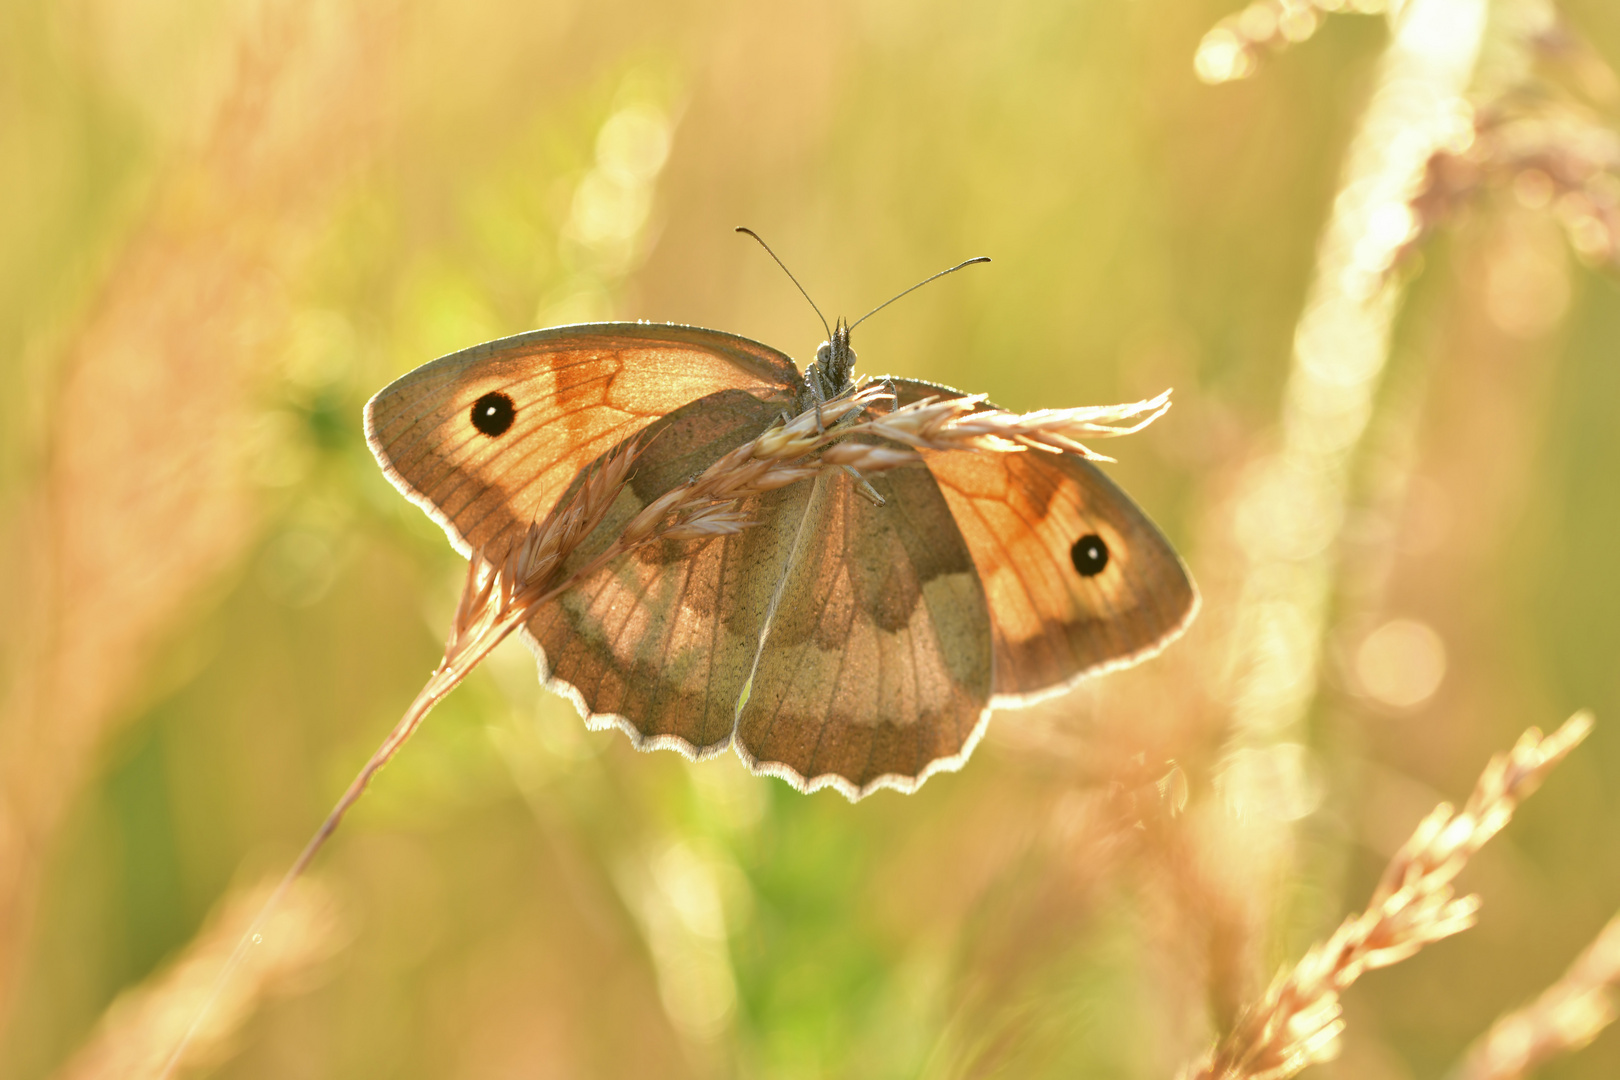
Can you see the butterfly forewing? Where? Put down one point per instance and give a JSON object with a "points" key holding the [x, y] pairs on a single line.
{"points": [[1077, 577], [486, 440]]}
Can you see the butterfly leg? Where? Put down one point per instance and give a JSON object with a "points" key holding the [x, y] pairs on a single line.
{"points": [[868, 492], [818, 394]]}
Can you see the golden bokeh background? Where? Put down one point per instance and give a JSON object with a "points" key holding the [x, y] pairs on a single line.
{"points": [[225, 225]]}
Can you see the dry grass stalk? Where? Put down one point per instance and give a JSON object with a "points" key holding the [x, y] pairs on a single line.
{"points": [[136, 1032], [1297, 1023], [1568, 1015], [960, 424]]}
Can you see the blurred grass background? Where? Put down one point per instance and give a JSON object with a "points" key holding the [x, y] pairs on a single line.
{"points": [[226, 225]]}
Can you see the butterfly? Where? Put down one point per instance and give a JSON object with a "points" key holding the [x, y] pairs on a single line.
{"points": [[859, 634]]}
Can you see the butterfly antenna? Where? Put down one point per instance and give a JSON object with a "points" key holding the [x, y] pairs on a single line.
{"points": [[914, 288], [789, 273]]}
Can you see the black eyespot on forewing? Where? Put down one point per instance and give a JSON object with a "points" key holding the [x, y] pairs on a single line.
{"points": [[1090, 555], [493, 413]]}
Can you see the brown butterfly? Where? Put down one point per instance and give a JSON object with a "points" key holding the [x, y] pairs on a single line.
{"points": [[859, 634]]}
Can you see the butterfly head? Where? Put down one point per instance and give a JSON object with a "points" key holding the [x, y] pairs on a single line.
{"points": [[831, 373]]}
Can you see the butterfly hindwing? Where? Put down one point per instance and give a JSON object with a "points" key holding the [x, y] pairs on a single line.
{"points": [[1056, 615], [552, 401], [876, 665]]}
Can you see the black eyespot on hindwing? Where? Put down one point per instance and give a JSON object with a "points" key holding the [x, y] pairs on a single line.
{"points": [[1090, 555], [493, 413]]}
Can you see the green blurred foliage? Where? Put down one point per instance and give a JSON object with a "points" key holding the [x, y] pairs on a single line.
{"points": [[527, 898]]}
